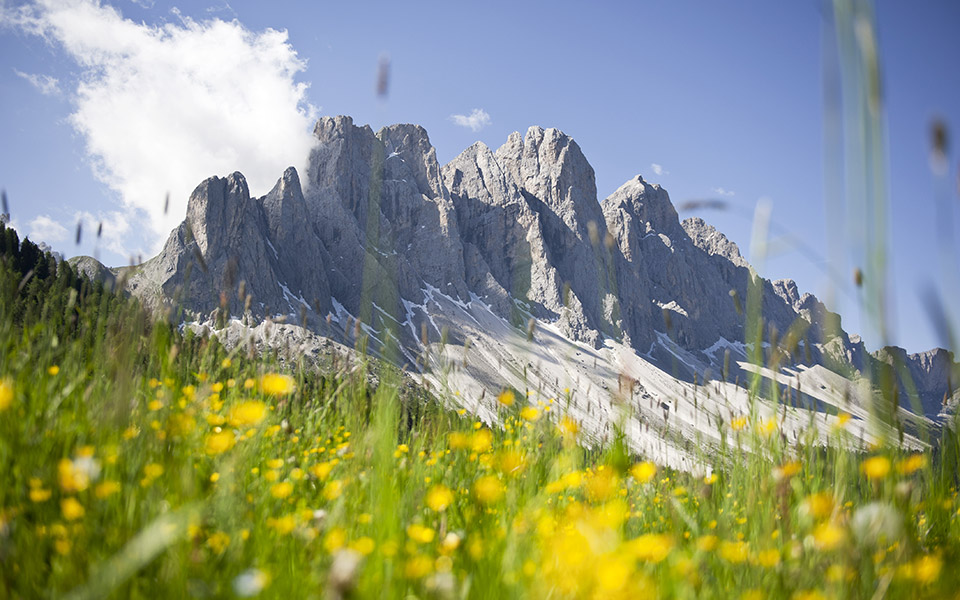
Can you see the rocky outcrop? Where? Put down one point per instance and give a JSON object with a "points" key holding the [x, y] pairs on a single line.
{"points": [[378, 232]]}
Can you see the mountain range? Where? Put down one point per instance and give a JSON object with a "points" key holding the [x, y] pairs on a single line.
{"points": [[503, 269]]}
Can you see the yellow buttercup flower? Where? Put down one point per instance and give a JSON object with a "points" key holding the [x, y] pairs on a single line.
{"points": [[281, 490], [768, 558], [643, 472], [876, 467], [911, 464], [282, 525], [6, 394], [506, 398], [218, 443], [842, 419], [650, 547], [417, 567], [247, 413], [420, 534], [363, 545], [481, 440], [828, 536], [71, 509], [927, 568], [53, 370], [39, 495], [488, 489], [439, 498], [106, 488], [818, 505], [734, 552], [529, 413], [276, 384]]}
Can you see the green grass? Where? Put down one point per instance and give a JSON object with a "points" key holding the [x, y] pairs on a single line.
{"points": [[137, 461]]}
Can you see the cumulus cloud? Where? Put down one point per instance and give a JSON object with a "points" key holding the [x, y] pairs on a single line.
{"points": [[477, 120], [44, 228], [110, 230], [45, 84], [722, 192], [163, 107], [658, 169]]}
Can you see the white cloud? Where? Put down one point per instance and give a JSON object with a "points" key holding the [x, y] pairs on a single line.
{"points": [[44, 229], [658, 169], [45, 84], [477, 120], [722, 192], [115, 228], [162, 108]]}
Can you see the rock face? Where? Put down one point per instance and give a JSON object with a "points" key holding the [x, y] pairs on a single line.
{"points": [[378, 232]]}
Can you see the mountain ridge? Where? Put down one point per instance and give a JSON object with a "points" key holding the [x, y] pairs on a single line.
{"points": [[381, 238]]}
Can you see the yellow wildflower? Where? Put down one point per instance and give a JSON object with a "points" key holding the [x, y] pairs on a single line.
{"points": [[39, 494], [363, 545], [644, 471], [439, 498], [568, 426], [787, 470], [106, 488], [247, 413], [333, 490], [707, 543], [734, 552], [281, 490], [767, 427], [458, 440], [153, 470], [842, 419], [71, 509], [506, 398], [529, 413], [220, 442], [828, 536], [613, 573], [53, 370], [481, 441], [277, 384], [927, 568], [6, 393], [218, 542], [420, 534], [321, 470], [738, 423], [335, 539], [417, 567], [876, 467], [768, 558], [282, 525], [488, 489], [818, 505], [911, 464], [650, 547]]}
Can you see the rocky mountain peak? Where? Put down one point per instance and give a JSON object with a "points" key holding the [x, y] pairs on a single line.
{"points": [[410, 144], [706, 237], [378, 232], [548, 165]]}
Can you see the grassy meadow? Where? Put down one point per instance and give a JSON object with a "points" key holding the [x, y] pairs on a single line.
{"points": [[138, 460]]}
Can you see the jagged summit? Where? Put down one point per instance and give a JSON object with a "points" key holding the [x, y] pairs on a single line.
{"points": [[378, 233]]}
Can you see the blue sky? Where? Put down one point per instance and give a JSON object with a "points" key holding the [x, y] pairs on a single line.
{"points": [[711, 100]]}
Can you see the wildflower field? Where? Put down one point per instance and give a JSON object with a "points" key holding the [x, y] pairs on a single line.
{"points": [[140, 460]]}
